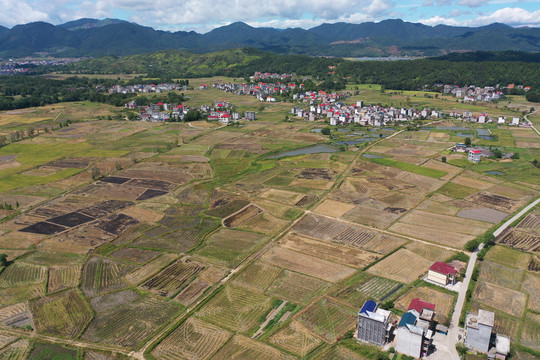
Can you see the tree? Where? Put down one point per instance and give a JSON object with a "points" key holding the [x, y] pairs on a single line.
{"points": [[3, 259], [515, 156], [326, 131], [468, 141], [443, 159]]}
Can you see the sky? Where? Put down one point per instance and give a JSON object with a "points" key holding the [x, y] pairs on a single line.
{"points": [[204, 15]]}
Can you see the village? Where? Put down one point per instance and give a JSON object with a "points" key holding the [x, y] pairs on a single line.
{"points": [[417, 334]]}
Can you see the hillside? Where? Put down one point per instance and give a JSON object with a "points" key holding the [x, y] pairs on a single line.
{"points": [[91, 37]]}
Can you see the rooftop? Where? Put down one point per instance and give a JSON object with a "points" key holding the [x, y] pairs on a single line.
{"points": [[443, 268]]}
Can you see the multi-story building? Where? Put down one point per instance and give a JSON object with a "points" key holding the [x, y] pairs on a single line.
{"points": [[373, 324], [479, 327]]}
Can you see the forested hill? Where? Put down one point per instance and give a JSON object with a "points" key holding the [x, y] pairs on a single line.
{"points": [[459, 69], [91, 37]]}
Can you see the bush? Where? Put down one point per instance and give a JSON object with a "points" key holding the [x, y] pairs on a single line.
{"points": [[326, 131]]}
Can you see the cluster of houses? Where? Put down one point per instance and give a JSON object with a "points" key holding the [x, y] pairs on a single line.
{"points": [[271, 76], [337, 113], [485, 118], [475, 154], [219, 111], [263, 91], [473, 93], [413, 334], [148, 88]]}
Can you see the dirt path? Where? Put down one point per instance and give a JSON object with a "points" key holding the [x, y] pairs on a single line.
{"points": [[270, 317]]}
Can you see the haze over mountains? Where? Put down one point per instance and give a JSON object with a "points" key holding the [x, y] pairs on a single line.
{"points": [[91, 37]]}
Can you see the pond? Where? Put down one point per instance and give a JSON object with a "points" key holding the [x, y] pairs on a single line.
{"points": [[352, 142], [465, 135], [494, 172], [344, 130], [371, 156], [316, 130], [316, 149]]}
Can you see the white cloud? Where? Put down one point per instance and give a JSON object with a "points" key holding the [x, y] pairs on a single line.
{"points": [[439, 20], [510, 16], [19, 12]]}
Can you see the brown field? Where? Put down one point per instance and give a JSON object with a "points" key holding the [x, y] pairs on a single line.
{"points": [[444, 237], [328, 318], [530, 335], [295, 338], [373, 214], [507, 300], [531, 285], [338, 352], [307, 264], [194, 339], [138, 256], [297, 288], [333, 208], [265, 223], [442, 301], [150, 268], [63, 277], [329, 251], [472, 183], [531, 221], [439, 221], [17, 315], [403, 266], [282, 196], [431, 252], [243, 348]]}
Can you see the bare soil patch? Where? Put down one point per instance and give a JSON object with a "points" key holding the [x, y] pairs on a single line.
{"points": [[507, 300]]}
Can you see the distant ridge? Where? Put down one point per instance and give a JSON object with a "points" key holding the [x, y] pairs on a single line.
{"points": [[93, 37]]}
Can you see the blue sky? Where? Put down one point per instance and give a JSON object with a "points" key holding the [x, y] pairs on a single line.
{"points": [[204, 15]]}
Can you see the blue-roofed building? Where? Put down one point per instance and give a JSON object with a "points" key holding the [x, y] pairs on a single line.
{"points": [[373, 324]]}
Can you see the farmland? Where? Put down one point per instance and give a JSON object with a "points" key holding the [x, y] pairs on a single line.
{"points": [[182, 239]]}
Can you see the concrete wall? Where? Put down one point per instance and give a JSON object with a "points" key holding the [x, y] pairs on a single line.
{"points": [[371, 330], [436, 277], [408, 343]]}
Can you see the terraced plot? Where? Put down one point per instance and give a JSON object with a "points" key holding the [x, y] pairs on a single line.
{"points": [[63, 315], [171, 280], [144, 272], [193, 339], [235, 308], [19, 273], [328, 318], [258, 276], [295, 338], [297, 288], [63, 277], [362, 287]]}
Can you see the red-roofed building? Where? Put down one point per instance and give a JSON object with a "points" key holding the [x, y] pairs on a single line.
{"points": [[475, 155], [441, 273], [424, 310]]}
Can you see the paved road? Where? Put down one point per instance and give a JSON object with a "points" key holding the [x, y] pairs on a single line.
{"points": [[515, 217], [530, 122]]}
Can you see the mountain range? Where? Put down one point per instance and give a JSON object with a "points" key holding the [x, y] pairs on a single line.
{"points": [[91, 37]]}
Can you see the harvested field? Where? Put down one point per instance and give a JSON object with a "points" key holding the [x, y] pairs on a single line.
{"points": [[19, 350], [333, 208], [64, 315], [431, 252], [192, 292], [296, 339], [19, 273], [338, 352], [229, 247], [319, 227], [494, 201], [500, 275], [530, 334], [509, 257], [283, 196], [534, 264], [108, 302], [13, 295], [258, 276], [403, 266], [242, 216], [6, 339], [77, 241], [362, 287], [328, 319], [531, 285], [63, 277], [439, 221], [483, 214], [150, 268], [115, 179], [297, 288], [443, 237], [507, 300], [128, 324], [150, 194], [194, 339], [519, 240], [443, 302], [235, 308], [51, 259], [432, 206], [373, 214], [531, 221], [101, 275], [192, 196], [472, 183], [307, 264], [138, 256], [265, 223], [172, 279], [328, 251], [243, 348], [116, 224], [17, 315]]}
